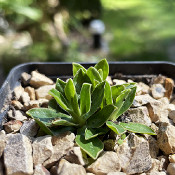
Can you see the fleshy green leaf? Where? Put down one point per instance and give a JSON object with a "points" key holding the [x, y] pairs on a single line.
{"points": [[93, 74], [138, 128], [93, 147], [108, 94], [118, 129], [60, 85], [46, 115], [80, 78], [77, 67], [101, 73], [96, 99], [61, 129], [103, 64], [85, 98], [128, 102], [59, 99], [63, 122], [116, 91], [100, 117], [91, 133], [71, 95], [43, 127]]}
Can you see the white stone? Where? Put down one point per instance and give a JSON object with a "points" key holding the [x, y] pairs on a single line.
{"points": [[42, 92], [18, 91], [172, 158], [25, 77], [118, 82], [29, 128], [12, 126], [42, 149], [142, 88], [157, 91], [66, 168], [166, 138], [108, 162], [31, 104], [16, 115], [38, 80], [40, 170], [62, 144], [140, 115], [171, 169], [18, 155], [17, 104], [75, 156], [25, 97], [31, 92]]}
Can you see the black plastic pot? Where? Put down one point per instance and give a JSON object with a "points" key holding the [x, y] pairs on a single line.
{"points": [[64, 70]]}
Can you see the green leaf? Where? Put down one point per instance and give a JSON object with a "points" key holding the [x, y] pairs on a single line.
{"points": [[80, 78], [59, 99], [116, 91], [101, 73], [91, 133], [96, 99], [43, 127], [137, 128], [77, 67], [60, 85], [118, 129], [46, 115], [100, 117], [85, 98], [71, 95], [128, 102], [93, 74], [93, 147], [108, 94], [61, 129], [103, 65], [63, 122]]}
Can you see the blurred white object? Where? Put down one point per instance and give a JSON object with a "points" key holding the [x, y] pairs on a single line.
{"points": [[97, 27]]}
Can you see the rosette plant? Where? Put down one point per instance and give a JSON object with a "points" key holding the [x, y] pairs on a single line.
{"points": [[88, 106]]}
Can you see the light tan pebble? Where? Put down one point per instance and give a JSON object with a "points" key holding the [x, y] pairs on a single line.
{"points": [[25, 97], [118, 82], [171, 169], [31, 92], [31, 104], [25, 77], [18, 91], [169, 85], [157, 91], [12, 126], [17, 104], [172, 158]]}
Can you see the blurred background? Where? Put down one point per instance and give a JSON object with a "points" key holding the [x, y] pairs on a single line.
{"points": [[86, 31]]}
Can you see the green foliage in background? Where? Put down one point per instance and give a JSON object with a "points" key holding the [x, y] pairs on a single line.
{"points": [[88, 106]]}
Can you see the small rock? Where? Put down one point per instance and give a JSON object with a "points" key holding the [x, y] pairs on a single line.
{"points": [[62, 144], [169, 85], [18, 91], [159, 79], [172, 158], [25, 77], [31, 92], [157, 91], [37, 80], [42, 92], [156, 173], [171, 107], [31, 104], [153, 147], [75, 156], [25, 97], [163, 162], [118, 82], [16, 115], [141, 100], [12, 126], [66, 168], [109, 80], [17, 104], [154, 127], [166, 138], [116, 173], [142, 89], [42, 149], [134, 155], [155, 165], [171, 169], [140, 115], [41, 170], [108, 162], [29, 128], [90, 174], [18, 155], [2, 141], [43, 102]]}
